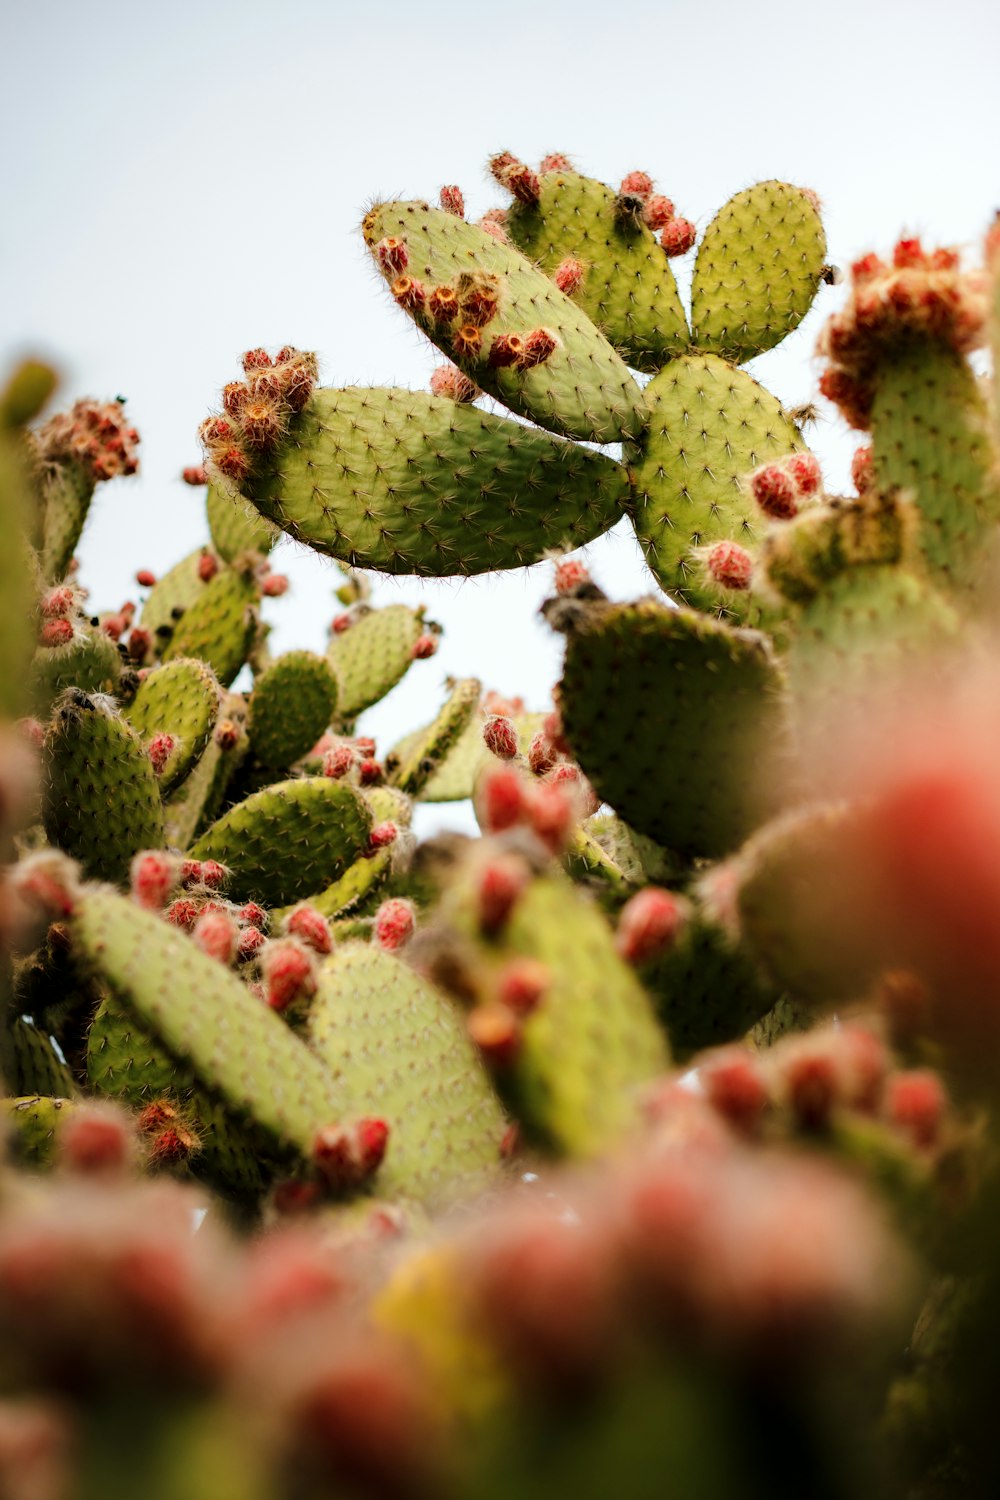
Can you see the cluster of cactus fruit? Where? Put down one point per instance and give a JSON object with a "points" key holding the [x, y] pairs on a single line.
{"points": [[645, 1144]]}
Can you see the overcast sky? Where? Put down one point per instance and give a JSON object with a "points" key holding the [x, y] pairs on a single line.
{"points": [[182, 182]]}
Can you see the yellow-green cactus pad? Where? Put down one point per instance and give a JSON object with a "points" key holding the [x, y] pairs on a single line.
{"points": [[31, 1127], [584, 389], [90, 661], [436, 742], [407, 482], [759, 266], [180, 698], [372, 655], [294, 701], [219, 625], [235, 527]]}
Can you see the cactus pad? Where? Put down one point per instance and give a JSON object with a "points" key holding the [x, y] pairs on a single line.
{"points": [[219, 625], [293, 703], [433, 746], [180, 698], [235, 527], [373, 655]]}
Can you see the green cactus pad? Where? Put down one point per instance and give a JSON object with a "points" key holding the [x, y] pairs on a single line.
{"points": [[90, 661], [235, 1045], [433, 747], [759, 266], [235, 527], [584, 390], [31, 1126], [30, 1063], [397, 1048], [219, 625], [678, 721], [587, 860], [593, 1041], [358, 882], [709, 426], [180, 698], [456, 777], [171, 595], [373, 655], [293, 702], [389, 805], [628, 289], [101, 799], [124, 1062], [406, 482], [286, 842], [639, 858], [67, 489], [17, 567], [202, 795], [929, 429]]}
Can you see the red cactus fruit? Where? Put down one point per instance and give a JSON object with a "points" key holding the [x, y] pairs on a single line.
{"points": [[524, 184], [350, 1155], [510, 1142], [194, 474], [500, 737], [310, 925], [160, 748], [811, 1081], [541, 754], [479, 300], [556, 161], [289, 972], [678, 236], [227, 734], [506, 349], [502, 799], [233, 463], [381, 836], [498, 885], [443, 304], [256, 359], [262, 424], [636, 185], [909, 252], [806, 473], [171, 1147], [274, 585], [392, 255], [249, 944], [55, 633], [862, 469], [340, 623], [568, 275], [448, 381], [370, 772], [253, 915], [47, 880], [494, 223], [649, 924], [158, 1115], [915, 1103], [734, 1085], [468, 342], [409, 293], [729, 565], [145, 579], [152, 876], [235, 396], [658, 211], [572, 780], [58, 603], [394, 923], [496, 1031], [775, 491], [539, 345], [570, 572], [452, 201], [500, 165], [32, 731], [217, 933], [213, 874], [423, 647], [522, 984], [365, 746], [96, 1137], [338, 761], [182, 913]]}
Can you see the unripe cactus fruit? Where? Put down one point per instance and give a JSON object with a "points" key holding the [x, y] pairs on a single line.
{"points": [[500, 736], [153, 875], [226, 734], [729, 565], [538, 346], [443, 304], [452, 201], [289, 972], [409, 292], [568, 275], [678, 236], [308, 924], [468, 342], [393, 255], [394, 924], [506, 349], [349, 1155], [649, 924]]}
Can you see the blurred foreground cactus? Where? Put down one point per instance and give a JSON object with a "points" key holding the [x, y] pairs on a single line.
{"points": [[644, 1144]]}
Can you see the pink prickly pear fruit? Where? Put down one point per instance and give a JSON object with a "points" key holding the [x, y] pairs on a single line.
{"points": [[443, 304], [678, 236], [636, 185], [541, 754], [274, 586], [114, 627], [658, 211], [152, 876], [256, 359], [235, 396], [409, 292], [289, 972], [539, 345], [551, 812], [140, 643], [394, 924], [862, 469], [424, 647], [448, 381], [161, 747], [350, 1155], [381, 836], [338, 761], [171, 1147], [774, 490], [47, 881], [522, 985], [58, 603], [32, 731], [494, 223], [479, 301], [806, 473], [524, 184], [310, 925], [370, 772], [250, 942], [194, 474], [572, 780], [217, 933], [182, 913], [500, 165], [568, 275], [213, 875], [909, 253], [570, 572], [810, 1081], [392, 255], [340, 623], [506, 349], [556, 161], [253, 915], [735, 1086], [649, 924], [452, 200], [55, 633], [503, 799], [915, 1103], [498, 887], [496, 1031], [365, 746], [97, 1138], [145, 579], [729, 565], [500, 737]]}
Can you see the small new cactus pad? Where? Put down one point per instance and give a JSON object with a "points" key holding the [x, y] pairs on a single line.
{"points": [[397, 1047], [89, 660], [709, 425], [406, 482], [67, 488], [30, 1127], [583, 389], [699, 706], [929, 431], [627, 287], [456, 776], [759, 266], [587, 860], [372, 654], [207, 1018], [432, 748], [289, 840], [181, 699], [293, 702], [389, 805], [199, 799], [102, 802], [234, 526], [219, 625], [359, 881]]}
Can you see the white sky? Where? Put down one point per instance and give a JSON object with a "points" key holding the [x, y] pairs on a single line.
{"points": [[181, 183]]}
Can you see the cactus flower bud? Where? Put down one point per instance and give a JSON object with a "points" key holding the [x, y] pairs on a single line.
{"points": [[394, 924]]}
